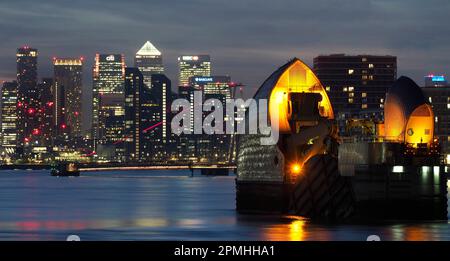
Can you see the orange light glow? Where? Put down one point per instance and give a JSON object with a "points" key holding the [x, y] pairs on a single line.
{"points": [[420, 126], [296, 168], [297, 78]]}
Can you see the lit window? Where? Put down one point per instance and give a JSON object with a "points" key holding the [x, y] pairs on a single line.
{"points": [[370, 77], [370, 65], [344, 89], [351, 94], [435, 119], [350, 100], [351, 88], [327, 88], [364, 95], [351, 71], [364, 77], [430, 100], [364, 59], [364, 106]]}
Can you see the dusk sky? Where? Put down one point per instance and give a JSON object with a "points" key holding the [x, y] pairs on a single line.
{"points": [[247, 39]]}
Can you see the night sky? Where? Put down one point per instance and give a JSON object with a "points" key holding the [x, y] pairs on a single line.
{"points": [[247, 39]]}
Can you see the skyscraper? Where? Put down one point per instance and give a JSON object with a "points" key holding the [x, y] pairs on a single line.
{"points": [[214, 148], [108, 104], [45, 112], [108, 85], [9, 119], [193, 65], [149, 61], [68, 73], [356, 84], [155, 119], [134, 94], [28, 96], [439, 97], [146, 123]]}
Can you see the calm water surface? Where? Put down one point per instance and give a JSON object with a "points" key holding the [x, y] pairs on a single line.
{"points": [[160, 205]]}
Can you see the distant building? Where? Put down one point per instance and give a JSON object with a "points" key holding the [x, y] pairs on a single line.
{"points": [[134, 94], [146, 122], [68, 73], [9, 120], [192, 65], [45, 132], [356, 84], [28, 97], [215, 148], [432, 80], [108, 105], [149, 61], [205, 148], [439, 98]]}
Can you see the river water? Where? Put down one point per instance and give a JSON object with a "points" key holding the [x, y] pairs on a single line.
{"points": [[161, 205]]}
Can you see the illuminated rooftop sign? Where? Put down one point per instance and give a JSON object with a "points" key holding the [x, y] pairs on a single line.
{"points": [[189, 58], [203, 79], [438, 78]]}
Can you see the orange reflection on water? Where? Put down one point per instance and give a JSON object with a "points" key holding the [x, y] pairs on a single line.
{"points": [[293, 231]]}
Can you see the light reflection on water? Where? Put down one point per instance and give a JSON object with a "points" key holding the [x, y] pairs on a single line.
{"points": [[161, 205]]}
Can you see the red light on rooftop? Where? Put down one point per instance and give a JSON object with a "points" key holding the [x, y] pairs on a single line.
{"points": [[31, 111], [36, 132], [19, 104], [76, 113], [50, 104], [63, 126], [26, 139]]}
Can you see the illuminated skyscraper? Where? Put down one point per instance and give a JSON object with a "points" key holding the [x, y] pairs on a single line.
{"points": [[356, 84], [67, 94], [155, 122], [9, 119], [44, 133], [108, 86], [438, 95], [28, 96], [108, 104], [146, 123], [149, 61], [214, 148], [192, 65]]}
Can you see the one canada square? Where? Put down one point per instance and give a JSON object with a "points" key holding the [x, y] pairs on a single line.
{"points": [[149, 61]]}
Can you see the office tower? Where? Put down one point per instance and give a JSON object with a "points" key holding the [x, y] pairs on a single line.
{"points": [[45, 112], [215, 148], [436, 81], [439, 98], [155, 123], [134, 94], [28, 96], [68, 74], [192, 65], [356, 84], [9, 120], [108, 105], [149, 61], [146, 122]]}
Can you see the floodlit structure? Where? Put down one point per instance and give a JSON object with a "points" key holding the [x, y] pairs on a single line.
{"points": [[409, 118], [277, 178]]}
